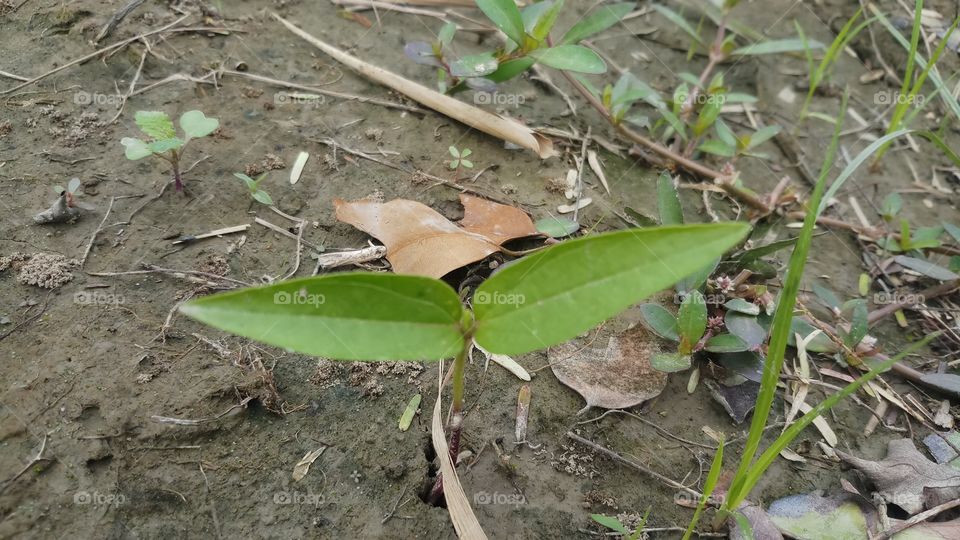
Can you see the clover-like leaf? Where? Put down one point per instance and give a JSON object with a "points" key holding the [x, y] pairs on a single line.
{"points": [[195, 124], [135, 149]]}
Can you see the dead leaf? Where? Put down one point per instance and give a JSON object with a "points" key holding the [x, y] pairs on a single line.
{"points": [[523, 413], [422, 242], [597, 169], [567, 208], [303, 466], [761, 526], [811, 516], [737, 400], [616, 376], [907, 478], [497, 222]]}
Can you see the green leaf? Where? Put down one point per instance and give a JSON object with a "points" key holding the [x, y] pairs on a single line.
{"points": [[250, 182], [545, 22], [560, 292], [570, 58], [670, 362], [605, 16], [926, 268], [698, 278], [892, 204], [74, 185], [505, 15], [777, 46], [165, 145], [445, 36], [511, 68], [708, 486], [668, 202], [474, 65], [764, 134], [682, 23], [466, 163], [742, 306], [261, 196], [135, 149], [953, 231], [662, 322], [692, 317], [745, 327], [858, 324], [407, 417], [156, 124], [453, 151], [349, 316], [718, 148], [610, 522], [826, 296], [820, 344], [557, 227], [725, 343], [708, 116], [195, 124]]}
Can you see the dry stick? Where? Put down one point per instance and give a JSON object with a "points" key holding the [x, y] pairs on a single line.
{"points": [[285, 232], [93, 237], [189, 275], [117, 18], [96, 53], [921, 517], [620, 459], [331, 93], [37, 459], [919, 298], [722, 180], [213, 508], [12, 76], [872, 234], [189, 422]]}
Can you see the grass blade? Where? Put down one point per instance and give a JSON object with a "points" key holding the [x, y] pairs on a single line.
{"points": [[708, 488]]}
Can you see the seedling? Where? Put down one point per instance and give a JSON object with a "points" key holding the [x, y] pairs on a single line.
{"points": [[459, 160], [164, 143], [65, 208], [541, 300], [70, 192], [528, 42], [616, 525], [253, 185]]}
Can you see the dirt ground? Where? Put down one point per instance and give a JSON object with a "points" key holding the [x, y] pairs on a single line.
{"points": [[86, 366]]}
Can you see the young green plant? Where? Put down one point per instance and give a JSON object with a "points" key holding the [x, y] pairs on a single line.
{"points": [[541, 300], [459, 160], [253, 185], [163, 141]]}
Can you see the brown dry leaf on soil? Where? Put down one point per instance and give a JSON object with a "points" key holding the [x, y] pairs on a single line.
{"points": [[907, 478], [617, 375], [422, 242]]}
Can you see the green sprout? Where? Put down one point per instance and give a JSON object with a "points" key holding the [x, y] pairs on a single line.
{"points": [[460, 160], [253, 185], [164, 142]]}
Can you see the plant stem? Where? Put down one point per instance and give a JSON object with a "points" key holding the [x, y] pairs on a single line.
{"points": [[456, 405], [722, 180]]}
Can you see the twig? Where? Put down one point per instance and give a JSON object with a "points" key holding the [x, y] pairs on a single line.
{"points": [[913, 300], [285, 232], [919, 518], [12, 76], [117, 18], [183, 274], [189, 422], [624, 461], [93, 237], [210, 501], [37, 459]]}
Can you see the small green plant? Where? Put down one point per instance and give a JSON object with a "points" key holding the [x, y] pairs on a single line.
{"points": [[615, 525], [459, 160], [539, 301], [164, 142], [253, 185], [70, 192], [528, 42]]}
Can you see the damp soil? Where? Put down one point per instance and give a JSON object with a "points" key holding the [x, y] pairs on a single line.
{"points": [[88, 366]]}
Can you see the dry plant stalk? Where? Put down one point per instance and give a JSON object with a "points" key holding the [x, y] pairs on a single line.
{"points": [[474, 117]]}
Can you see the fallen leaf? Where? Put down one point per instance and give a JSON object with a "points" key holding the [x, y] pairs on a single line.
{"points": [[303, 466], [298, 166], [761, 527], [813, 517], [907, 478], [567, 208], [498, 222], [737, 400], [597, 169], [422, 242], [616, 376], [506, 363], [941, 447], [407, 417], [523, 413], [557, 226]]}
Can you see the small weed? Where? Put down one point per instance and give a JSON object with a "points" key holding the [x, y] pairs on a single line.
{"points": [[253, 185], [164, 142]]}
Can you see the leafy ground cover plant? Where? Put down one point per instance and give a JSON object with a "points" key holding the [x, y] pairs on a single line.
{"points": [[253, 185], [163, 140], [541, 300], [459, 160], [528, 42]]}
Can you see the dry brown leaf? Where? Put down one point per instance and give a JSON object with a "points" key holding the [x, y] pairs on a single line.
{"points": [[420, 241], [498, 222], [303, 466], [907, 478], [615, 376]]}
